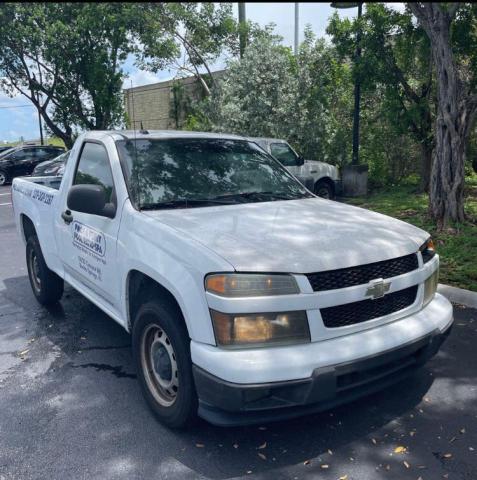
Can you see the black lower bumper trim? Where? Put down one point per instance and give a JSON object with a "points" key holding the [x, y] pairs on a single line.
{"points": [[225, 403]]}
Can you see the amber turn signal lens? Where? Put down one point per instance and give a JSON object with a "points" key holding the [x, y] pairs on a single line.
{"points": [[250, 284], [216, 284]]}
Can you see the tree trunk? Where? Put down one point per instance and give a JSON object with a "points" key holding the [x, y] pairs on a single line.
{"points": [[426, 166], [447, 179], [455, 111], [66, 136]]}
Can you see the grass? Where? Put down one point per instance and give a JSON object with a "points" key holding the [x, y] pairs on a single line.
{"points": [[57, 142], [456, 245]]}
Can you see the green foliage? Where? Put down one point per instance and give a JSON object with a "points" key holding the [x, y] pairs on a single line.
{"points": [[270, 93], [71, 53], [325, 101], [395, 73], [257, 96], [186, 35]]}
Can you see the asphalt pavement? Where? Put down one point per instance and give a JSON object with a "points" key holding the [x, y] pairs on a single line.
{"points": [[70, 407]]}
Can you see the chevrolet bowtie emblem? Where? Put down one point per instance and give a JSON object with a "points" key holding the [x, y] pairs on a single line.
{"points": [[377, 288]]}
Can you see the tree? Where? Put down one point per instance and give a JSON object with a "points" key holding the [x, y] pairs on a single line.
{"points": [[324, 100], [66, 59], [395, 64], [189, 36], [258, 94], [456, 107], [271, 93]]}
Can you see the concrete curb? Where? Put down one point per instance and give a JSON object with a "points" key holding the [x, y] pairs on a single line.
{"points": [[458, 295]]}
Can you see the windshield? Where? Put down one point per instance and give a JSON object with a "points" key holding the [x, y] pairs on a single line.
{"points": [[183, 173]]}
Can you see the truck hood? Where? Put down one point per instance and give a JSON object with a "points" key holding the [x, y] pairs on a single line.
{"points": [[297, 236]]}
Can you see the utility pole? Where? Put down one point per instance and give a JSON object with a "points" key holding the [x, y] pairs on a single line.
{"points": [[297, 26], [39, 119], [38, 100], [242, 33]]}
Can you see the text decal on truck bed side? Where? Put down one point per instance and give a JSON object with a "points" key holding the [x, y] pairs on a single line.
{"points": [[35, 194]]}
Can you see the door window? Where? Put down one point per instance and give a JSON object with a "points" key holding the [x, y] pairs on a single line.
{"points": [[24, 154], [284, 154], [43, 154], [94, 169]]}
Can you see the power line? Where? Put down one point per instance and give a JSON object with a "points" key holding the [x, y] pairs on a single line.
{"points": [[17, 106]]}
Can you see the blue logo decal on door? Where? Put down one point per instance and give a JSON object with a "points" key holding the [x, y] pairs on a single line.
{"points": [[89, 238]]}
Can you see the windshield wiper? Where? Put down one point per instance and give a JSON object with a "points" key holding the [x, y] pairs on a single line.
{"points": [[226, 199], [181, 203], [263, 196]]}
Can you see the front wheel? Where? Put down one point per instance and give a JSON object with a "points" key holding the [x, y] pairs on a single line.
{"points": [[161, 349], [47, 286], [3, 178], [323, 189]]}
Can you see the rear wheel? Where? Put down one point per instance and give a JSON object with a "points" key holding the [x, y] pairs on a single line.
{"points": [[3, 178], [161, 348], [323, 189], [47, 286]]}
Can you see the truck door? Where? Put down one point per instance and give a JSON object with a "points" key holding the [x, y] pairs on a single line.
{"points": [[287, 157], [88, 242]]}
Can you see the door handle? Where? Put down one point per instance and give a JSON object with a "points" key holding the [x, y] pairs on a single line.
{"points": [[67, 217]]}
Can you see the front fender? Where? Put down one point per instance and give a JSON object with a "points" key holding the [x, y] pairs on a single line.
{"points": [[176, 263]]}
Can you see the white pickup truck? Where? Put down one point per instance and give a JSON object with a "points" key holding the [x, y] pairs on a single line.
{"points": [[248, 298], [319, 177]]}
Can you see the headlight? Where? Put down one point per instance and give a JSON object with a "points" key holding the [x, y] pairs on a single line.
{"points": [[240, 330], [427, 250], [430, 287], [250, 285]]}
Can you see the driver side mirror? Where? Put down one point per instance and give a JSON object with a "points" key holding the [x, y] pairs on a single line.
{"points": [[90, 199], [301, 160]]}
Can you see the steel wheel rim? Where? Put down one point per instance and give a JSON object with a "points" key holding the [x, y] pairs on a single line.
{"points": [[158, 361], [35, 271], [3, 179]]}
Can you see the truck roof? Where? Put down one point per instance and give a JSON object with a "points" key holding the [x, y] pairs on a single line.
{"points": [[158, 134], [266, 139]]}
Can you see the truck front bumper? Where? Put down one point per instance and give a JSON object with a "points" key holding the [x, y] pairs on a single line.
{"points": [[393, 351]]}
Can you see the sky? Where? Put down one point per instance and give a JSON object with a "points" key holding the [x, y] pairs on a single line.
{"points": [[18, 118]]}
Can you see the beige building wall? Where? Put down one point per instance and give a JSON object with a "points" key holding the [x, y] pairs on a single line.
{"points": [[153, 104]]}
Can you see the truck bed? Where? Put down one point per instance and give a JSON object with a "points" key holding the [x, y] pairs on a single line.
{"points": [[47, 181], [37, 199]]}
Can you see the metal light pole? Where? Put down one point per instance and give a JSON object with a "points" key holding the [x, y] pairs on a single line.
{"points": [[357, 94], [357, 85], [242, 20], [297, 26], [355, 176]]}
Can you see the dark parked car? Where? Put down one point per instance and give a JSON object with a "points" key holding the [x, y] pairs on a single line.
{"points": [[22, 160], [52, 168]]}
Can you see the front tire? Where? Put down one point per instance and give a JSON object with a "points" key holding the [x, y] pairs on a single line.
{"points": [[323, 189], [3, 178], [47, 286], [161, 349]]}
